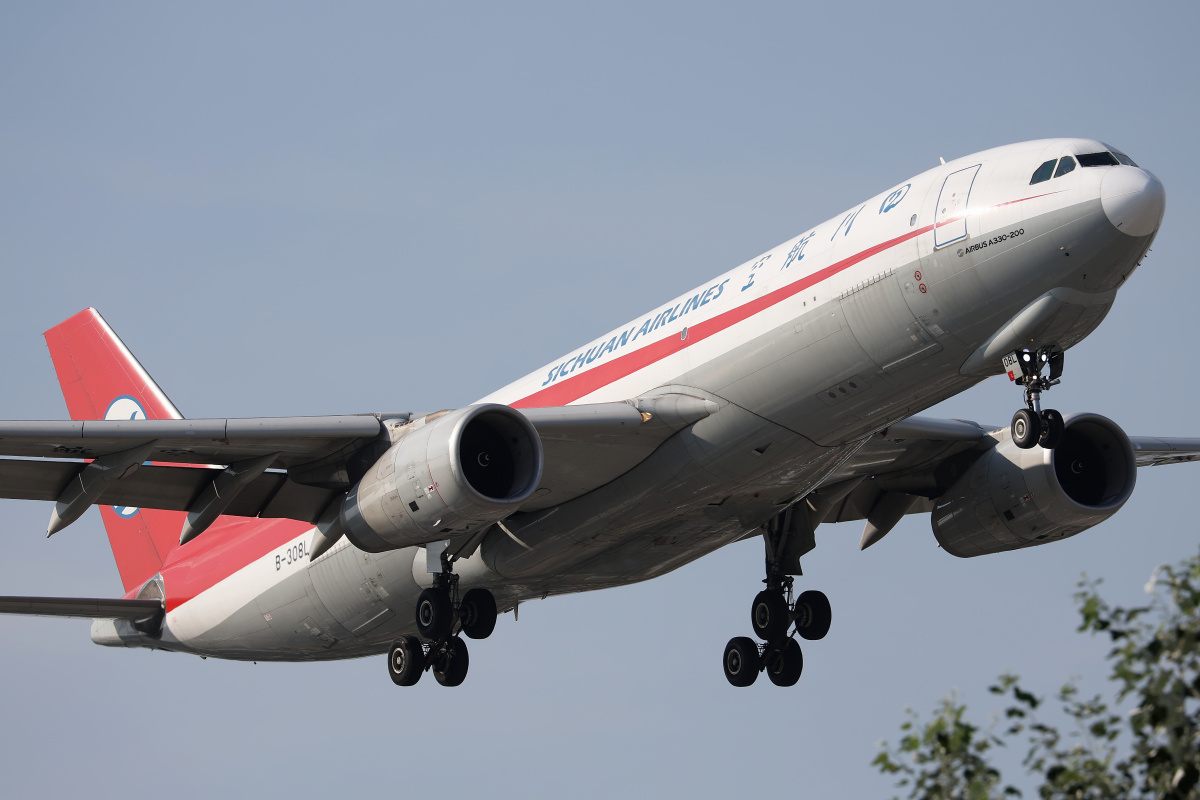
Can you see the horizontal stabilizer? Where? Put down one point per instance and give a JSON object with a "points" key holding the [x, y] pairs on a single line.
{"points": [[88, 607]]}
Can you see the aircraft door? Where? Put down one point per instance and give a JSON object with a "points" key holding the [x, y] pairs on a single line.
{"points": [[950, 213]]}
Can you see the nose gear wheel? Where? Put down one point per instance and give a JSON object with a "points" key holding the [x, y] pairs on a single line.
{"points": [[1034, 425]]}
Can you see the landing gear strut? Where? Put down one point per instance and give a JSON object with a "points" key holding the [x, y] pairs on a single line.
{"points": [[441, 615], [1034, 425], [772, 615]]}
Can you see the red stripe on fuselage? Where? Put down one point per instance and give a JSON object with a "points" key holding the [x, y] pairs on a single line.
{"points": [[577, 386], [230, 544]]}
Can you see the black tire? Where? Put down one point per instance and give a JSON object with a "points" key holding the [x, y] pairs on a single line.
{"points": [[450, 666], [813, 615], [741, 661], [435, 615], [478, 613], [1026, 429], [406, 661], [785, 664], [1053, 428], [769, 616]]}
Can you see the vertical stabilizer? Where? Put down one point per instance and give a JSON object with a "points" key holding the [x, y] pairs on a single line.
{"points": [[101, 379]]}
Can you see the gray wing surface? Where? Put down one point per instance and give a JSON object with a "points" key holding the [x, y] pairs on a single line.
{"points": [[87, 607], [305, 462], [1154, 452], [919, 458], [295, 440]]}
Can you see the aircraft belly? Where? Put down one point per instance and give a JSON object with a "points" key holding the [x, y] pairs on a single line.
{"points": [[346, 604], [354, 588], [693, 490]]}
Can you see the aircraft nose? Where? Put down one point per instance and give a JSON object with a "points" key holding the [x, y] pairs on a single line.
{"points": [[1133, 200]]}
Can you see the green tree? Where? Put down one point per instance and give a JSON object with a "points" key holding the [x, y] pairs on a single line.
{"points": [[945, 758], [1153, 751]]}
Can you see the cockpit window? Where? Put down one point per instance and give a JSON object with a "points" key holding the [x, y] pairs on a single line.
{"points": [[1124, 159], [1098, 160], [1043, 172], [1065, 165]]}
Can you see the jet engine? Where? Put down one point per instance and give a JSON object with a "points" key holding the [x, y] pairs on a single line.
{"points": [[450, 473], [1012, 498]]}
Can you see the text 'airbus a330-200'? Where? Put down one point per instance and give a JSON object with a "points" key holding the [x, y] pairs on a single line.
{"points": [[765, 402]]}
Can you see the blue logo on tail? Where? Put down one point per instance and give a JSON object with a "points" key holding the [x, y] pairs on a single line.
{"points": [[125, 407]]}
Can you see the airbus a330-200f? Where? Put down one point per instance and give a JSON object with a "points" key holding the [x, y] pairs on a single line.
{"points": [[765, 402]]}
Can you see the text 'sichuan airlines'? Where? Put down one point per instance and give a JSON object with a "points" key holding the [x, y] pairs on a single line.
{"points": [[766, 401]]}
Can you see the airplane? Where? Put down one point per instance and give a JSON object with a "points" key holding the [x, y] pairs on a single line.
{"points": [[769, 400]]}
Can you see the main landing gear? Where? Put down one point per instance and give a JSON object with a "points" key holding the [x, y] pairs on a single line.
{"points": [[772, 615], [1034, 425], [441, 615]]}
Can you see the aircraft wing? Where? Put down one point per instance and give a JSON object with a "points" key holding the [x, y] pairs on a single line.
{"points": [[919, 457], [293, 467], [293, 440], [1154, 452]]}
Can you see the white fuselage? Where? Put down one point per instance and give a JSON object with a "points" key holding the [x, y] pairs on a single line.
{"points": [[808, 349]]}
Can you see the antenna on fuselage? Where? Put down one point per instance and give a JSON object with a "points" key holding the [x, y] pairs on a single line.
{"points": [[941, 159]]}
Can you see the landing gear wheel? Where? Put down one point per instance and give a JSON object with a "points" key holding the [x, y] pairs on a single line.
{"points": [[741, 661], [406, 661], [1053, 428], [813, 615], [434, 614], [478, 613], [1026, 429], [450, 665], [785, 664], [769, 616]]}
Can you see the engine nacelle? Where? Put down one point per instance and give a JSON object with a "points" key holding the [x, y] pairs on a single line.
{"points": [[449, 474], [1012, 498]]}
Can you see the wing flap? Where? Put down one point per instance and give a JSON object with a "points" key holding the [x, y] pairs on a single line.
{"points": [[170, 488], [35, 480]]}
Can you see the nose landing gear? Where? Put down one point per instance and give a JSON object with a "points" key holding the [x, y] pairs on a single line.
{"points": [[441, 615], [1034, 425]]}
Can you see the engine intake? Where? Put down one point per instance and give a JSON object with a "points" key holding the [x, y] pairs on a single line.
{"points": [[1012, 498], [451, 473]]}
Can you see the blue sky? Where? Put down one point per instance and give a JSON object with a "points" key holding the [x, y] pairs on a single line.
{"points": [[309, 209]]}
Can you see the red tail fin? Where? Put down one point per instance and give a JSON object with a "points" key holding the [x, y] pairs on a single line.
{"points": [[101, 379]]}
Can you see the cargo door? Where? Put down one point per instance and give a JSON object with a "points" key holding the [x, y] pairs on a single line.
{"points": [[352, 589], [884, 324]]}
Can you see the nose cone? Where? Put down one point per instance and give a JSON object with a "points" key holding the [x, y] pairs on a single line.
{"points": [[1133, 200]]}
